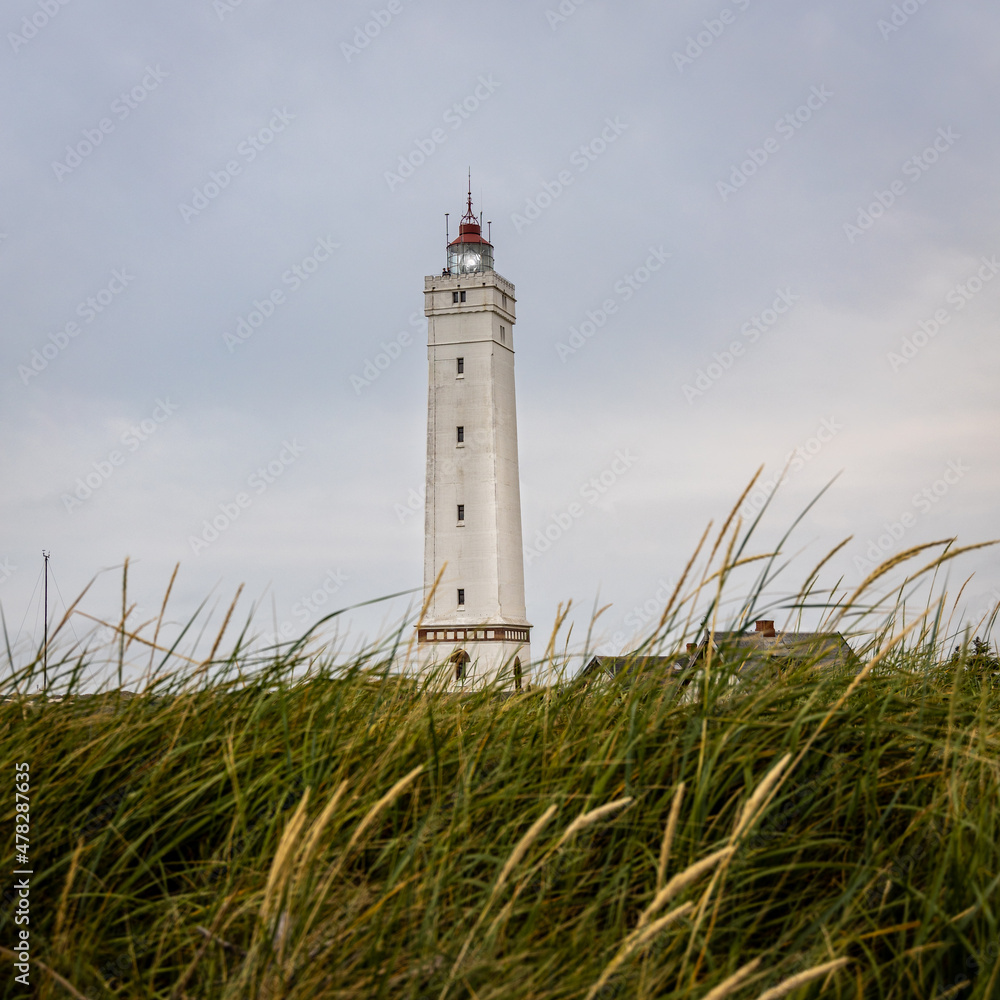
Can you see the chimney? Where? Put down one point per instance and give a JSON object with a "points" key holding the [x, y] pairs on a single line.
{"points": [[764, 628]]}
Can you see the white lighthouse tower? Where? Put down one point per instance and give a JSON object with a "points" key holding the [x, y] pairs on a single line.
{"points": [[475, 619]]}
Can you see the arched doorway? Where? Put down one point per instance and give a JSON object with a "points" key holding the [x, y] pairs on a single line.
{"points": [[517, 673], [460, 661]]}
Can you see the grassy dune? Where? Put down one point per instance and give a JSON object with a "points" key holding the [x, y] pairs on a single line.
{"points": [[287, 825]]}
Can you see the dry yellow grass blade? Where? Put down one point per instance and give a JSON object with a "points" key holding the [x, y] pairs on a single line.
{"points": [[225, 624], [64, 983], [135, 637], [633, 943], [64, 899], [801, 978], [906, 555], [423, 611], [681, 881], [752, 807], [515, 856], [589, 818], [680, 582], [398, 788], [159, 620], [277, 877], [581, 822], [522, 846], [731, 984], [312, 838], [733, 512], [668, 835]]}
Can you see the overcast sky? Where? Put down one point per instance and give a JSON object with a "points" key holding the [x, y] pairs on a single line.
{"points": [[735, 230]]}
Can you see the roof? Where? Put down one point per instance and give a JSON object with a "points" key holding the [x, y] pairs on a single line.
{"points": [[822, 649], [746, 649], [614, 665]]}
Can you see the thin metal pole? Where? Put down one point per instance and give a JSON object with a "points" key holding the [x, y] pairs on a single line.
{"points": [[45, 641]]}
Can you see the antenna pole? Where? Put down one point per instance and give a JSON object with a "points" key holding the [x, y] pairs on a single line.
{"points": [[489, 232], [45, 641], [447, 235]]}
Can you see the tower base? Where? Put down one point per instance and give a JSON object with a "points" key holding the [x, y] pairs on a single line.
{"points": [[472, 658]]}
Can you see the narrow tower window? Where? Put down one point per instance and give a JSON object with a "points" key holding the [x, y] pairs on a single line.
{"points": [[504, 301], [461, 597], [461, 366], [454, 296], [503, 334], [461, 435], [461, 296], [461, 511]]}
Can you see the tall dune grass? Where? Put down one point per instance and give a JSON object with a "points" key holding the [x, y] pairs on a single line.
{"points": [[293, 823]]}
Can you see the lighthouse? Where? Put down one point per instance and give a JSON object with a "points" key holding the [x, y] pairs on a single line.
{"points": [[474, 627]]}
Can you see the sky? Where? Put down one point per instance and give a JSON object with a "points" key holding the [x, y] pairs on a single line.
{"points": [[741, 235]]}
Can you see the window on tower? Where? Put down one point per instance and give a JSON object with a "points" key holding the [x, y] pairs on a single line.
{"points": [[503, 334], [461, 597], [461, 511], [504, 301], [461, 434], [454, 296], [461, 296], [461, 366]]}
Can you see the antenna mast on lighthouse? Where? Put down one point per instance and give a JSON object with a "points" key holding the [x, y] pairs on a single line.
{"points": [[45, 634]]}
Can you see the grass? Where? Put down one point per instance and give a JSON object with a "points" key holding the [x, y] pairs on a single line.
{"points": [[288, 824]]}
